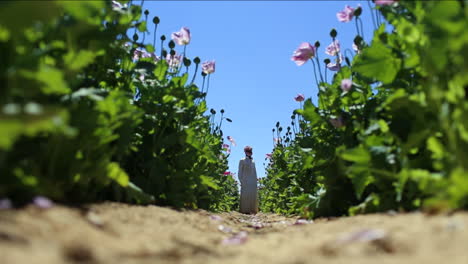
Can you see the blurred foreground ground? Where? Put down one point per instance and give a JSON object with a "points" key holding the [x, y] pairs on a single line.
{"points": [[120, 233]]}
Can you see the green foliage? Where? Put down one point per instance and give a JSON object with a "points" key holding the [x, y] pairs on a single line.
{"points": [[398, 139], [82, 120]]}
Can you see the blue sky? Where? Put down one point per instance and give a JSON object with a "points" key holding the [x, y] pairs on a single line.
{"points": [[252, 42]]}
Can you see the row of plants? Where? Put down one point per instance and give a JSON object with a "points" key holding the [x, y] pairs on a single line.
{"points": [[390, 130], [89, 114]]}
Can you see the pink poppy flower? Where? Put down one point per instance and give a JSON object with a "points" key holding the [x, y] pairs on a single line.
{"points": [[384, 2], [173, 61], [208, 67], [231, 139], [303, 53], [346, 85], [336, 66], [333, 49], [299, 98], [182, 37], [346, 14], [116, 6]]}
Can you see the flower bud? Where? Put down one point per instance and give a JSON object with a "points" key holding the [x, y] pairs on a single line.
{"points": [[212, 111], [229, 120], [358, 11], [196, 60], [277, 124], [317, 44], [172, 52], [358, 41], [171, 44], [280, 129], [203, 74], [187, 62], [326, 61], [333, 33], [222, 111], [163, 38], [156, 20], [146, 12], [135, 37], [273, 130], [164, 53]]}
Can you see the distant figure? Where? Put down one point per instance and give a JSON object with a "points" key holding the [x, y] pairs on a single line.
{"points": [[248, 180]]}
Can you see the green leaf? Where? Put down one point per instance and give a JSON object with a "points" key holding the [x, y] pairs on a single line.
{"points": [[84, 10], [12, 127], [142, 26], [361, 181], [437, 149], [17, 15], [208, 181], [377, 62], [161, 70], [358, 155], [310, 112], [76, 61], [52, 79], [117, 174]]}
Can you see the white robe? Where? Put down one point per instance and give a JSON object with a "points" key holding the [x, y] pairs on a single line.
{"points": [[248, 179]]}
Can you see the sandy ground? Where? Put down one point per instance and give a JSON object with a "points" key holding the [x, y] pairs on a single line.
{"points": [[120, 233]]}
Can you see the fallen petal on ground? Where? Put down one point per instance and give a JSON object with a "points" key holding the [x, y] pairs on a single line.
{"points": [[237, 239]]}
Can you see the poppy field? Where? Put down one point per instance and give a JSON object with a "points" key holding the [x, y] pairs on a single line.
{"points": [[389, 131], [96, 104]]}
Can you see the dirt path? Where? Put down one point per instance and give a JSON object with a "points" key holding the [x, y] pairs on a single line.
{"points": [[119, 233]]}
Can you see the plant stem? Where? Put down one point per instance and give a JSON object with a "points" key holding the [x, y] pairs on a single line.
{"points": [[319, 68], [357, 26], [154, 38], [315, 73], [207, 85], [362, 27], [372, 14]]}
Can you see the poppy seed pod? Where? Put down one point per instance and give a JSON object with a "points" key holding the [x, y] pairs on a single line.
{"points": [[358, 11], [187, 62], [333, 33], [156, 20], [171, 44]]}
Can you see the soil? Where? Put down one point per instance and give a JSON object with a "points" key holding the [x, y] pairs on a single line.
{"points": [[120, 233]]}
